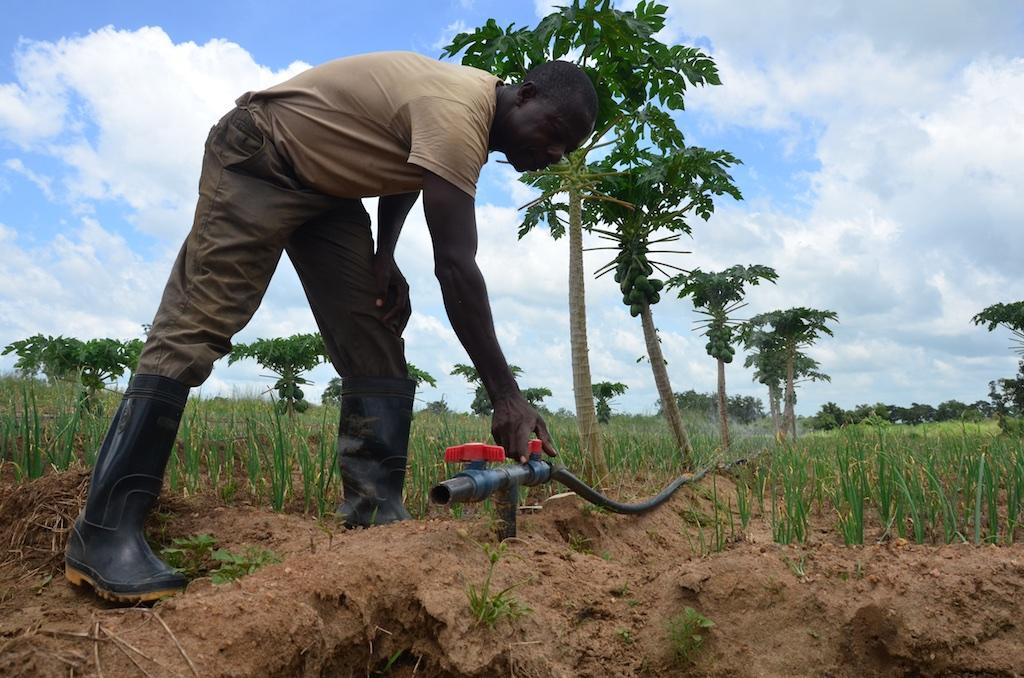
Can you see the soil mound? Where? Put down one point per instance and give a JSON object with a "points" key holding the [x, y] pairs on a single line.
{"points": [[35, 518], [601, 591]]}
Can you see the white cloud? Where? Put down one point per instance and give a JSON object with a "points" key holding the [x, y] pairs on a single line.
{"points": [[449, 32], [794, 30], [41, 182], [128, 112], [544, 7], [88, 284]]}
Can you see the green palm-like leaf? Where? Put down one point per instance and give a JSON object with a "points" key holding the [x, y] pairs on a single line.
{"points": [[1010, 316]]}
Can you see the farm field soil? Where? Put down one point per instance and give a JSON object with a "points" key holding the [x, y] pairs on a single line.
{"points": [[601, 588]]}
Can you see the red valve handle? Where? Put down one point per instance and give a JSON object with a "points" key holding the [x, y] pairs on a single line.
{"points": [[483, 452], [474, 452]]}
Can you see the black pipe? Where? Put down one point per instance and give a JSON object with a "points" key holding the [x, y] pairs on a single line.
{"points": [[478, 484], [564, 476], [452, 490]]}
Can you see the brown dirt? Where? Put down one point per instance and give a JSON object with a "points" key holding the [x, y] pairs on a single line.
{"points": [[601, 589]]}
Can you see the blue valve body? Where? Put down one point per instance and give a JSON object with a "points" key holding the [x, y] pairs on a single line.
{"points": [[477, 482]]}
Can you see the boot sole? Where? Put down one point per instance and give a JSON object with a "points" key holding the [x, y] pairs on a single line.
{"points": [[79, 578]]}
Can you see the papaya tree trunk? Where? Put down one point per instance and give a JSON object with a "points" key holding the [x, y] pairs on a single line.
{"points": [[586, 416], [788, 419], [792, 417], [773, 405], [723, 405], [668, 400]]}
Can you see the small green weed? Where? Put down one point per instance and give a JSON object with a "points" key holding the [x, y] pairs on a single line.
{"points": [[626, 636], [580, 543], [694, 516], [686, 634], [43, 584], [234, 565], [386, 669], [163, 519], [197, 556], [228, 490], [192, 556], [488, 608], [798, 567]]}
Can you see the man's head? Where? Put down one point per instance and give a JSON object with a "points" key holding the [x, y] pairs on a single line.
{"points": [[546, 116]]}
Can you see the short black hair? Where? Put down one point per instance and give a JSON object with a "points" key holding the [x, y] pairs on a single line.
{"points": [[567, 86]]}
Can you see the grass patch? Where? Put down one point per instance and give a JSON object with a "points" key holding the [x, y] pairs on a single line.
{"points": [[490, 608], [686, 633]]}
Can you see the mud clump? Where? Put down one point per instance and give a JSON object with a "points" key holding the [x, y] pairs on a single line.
{"points": [[600, 588]]}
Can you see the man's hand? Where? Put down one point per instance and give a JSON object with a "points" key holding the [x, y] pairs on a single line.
{"points": [[392, 290], [513, 421]]}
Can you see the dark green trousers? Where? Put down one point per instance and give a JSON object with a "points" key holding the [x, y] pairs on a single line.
{"points": [[251, 209]]}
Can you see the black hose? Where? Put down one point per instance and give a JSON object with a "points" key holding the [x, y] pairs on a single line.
{"points": [[564, 476]]}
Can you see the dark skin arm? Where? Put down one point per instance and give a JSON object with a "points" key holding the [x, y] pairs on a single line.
{"points": [[451, 219], [392, 288]]}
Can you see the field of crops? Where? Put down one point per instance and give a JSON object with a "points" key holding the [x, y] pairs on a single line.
{"points": [[929, 484], [884, 541]]}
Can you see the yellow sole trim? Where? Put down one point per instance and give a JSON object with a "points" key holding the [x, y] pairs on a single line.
{"points": [[79, 578]]}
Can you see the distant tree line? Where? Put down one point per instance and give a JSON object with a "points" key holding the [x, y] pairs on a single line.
{"points": [[832, 416], [742, 409]]}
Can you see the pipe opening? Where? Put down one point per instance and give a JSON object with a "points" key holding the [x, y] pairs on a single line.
{"points": [[439, 494]]}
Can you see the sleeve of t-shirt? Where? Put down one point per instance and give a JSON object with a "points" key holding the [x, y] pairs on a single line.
{"points": [[449, 139]]}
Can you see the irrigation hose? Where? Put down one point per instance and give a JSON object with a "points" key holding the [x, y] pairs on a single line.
{"points": [[564, 476]]}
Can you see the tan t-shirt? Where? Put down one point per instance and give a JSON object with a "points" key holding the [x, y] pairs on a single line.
{"points": [[365, 125]]}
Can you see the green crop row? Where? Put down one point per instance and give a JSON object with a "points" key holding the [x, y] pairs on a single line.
{"points": [[936, 484]]}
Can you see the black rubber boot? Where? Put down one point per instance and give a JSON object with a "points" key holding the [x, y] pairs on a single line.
{"points": [[373, 444], [107, 548]]}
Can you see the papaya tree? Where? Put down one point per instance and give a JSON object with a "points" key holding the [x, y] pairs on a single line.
{"points": [[649, 206], [100, 361], [805, 369], [420, 376], [1009, 316], [536, 395], [1007, 394], [793, 328], [288, 358], [638, 78], [92, 364], [481, 404], [55, 357], [770, 370], [604, 391], [766, 356], [717, 296]]}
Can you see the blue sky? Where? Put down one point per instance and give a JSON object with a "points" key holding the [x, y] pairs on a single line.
{"points": [[883, 150]]}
